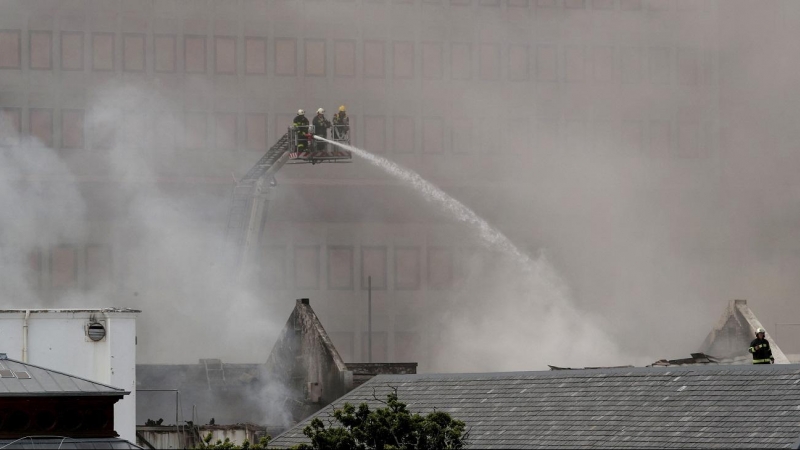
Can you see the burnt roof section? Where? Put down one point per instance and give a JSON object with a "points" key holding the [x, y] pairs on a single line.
{"points": [[676, 407], [733, 332], [18, 379]]}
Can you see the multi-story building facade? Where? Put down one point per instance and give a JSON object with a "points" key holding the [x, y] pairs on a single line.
{"points": [[477, 95]]}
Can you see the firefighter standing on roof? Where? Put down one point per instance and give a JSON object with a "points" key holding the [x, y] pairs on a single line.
{"points": [[341, 125], [300, 124], [321, 125], [762, 354]]}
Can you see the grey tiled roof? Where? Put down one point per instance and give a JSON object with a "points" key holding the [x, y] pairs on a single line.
{"points": [[48, 383], [678, 407], [45, 442]]}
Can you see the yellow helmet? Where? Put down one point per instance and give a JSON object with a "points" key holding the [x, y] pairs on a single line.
{"points": [[342, 108]]}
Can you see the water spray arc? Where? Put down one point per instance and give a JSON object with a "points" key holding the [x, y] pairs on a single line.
{"points": [[490, 235]]}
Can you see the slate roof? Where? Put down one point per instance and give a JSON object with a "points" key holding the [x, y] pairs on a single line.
{"points": [[661, 407], [47, 383]]}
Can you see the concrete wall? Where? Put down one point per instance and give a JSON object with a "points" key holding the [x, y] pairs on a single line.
{"points": [[57, 340]]}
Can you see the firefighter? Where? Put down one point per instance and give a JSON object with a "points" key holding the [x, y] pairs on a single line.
{"points": [[300, 124], [341, 125], [760, 348], [321, 125]]}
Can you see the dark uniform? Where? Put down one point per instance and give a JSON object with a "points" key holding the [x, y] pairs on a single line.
{"points": [[341, 126], [762, 354], [300, 124], [321, 125]]}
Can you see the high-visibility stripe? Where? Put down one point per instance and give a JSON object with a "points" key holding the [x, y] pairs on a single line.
{"points": [[759, 361]]}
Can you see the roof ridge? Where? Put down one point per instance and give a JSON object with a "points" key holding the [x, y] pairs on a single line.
{"points": [[121, 390]]}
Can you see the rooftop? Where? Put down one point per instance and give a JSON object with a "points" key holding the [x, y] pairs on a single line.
{"points": [[18, 379], [678, 407]]}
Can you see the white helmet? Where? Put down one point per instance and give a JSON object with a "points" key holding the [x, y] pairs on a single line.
{"points": [[300, 112], [320, 111], [761, 330]]}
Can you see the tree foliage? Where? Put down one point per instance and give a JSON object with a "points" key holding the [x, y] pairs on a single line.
{"points": [[228, 445], [389, 427]]}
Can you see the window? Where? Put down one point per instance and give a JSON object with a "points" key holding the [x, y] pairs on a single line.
{"points": [[375, 134], [134, 132], [340, 267], [373, 263], [574, 63], [71, 50], [575, 136], [133, 53], [285, 56], [194, 54], [315, 57], [688, 139], [660, 137], [374, 59], [255, 55], [659, 58], [344, 58], [41, 126], [603, 64], [63, 267], [103, 51], [460, 61], [518, 62], [432, 135], [575, 4], [306, 266], [103, 137], [273, 266], [41, 50], [688, 61], [225, 54], [547, 135], [166, 125], [225, 130], [403, 59], [462, 135], [71, 128], [98, 265], [380, 346], [440, 268], [164, 46], [195, 130], [546, 63], [10, 126], [256, 131], [631, 65], [603, 4], [632, 136], [344, 343], [406, 268], [489, 59], [406, 345], [630, 5], [10, 49], [432, 60], [403, 134]]}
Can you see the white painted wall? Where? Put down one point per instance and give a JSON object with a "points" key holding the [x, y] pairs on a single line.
{"points": [[57, 340]]}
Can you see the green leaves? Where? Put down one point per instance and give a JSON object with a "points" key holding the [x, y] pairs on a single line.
{"points": [[390, 427]]}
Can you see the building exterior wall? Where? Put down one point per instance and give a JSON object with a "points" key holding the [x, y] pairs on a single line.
{"points": [[57, 339], [414, 75]]}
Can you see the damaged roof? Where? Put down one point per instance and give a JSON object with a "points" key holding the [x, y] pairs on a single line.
{"points": [[665, 407]]}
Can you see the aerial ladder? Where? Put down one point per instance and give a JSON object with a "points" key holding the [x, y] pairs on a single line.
{"points": [[250, 197]]}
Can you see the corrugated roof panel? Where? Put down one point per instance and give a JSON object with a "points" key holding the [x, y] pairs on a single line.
{"points": [[44, 381]]}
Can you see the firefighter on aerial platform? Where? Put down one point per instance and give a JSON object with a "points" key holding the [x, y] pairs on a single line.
{"points": [[300, 124], [321, 125], [341, 125], [762, 354]]}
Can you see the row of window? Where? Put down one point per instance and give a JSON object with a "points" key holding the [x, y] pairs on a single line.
{"points": [[379, 134], [514, 62], [624, 5], [65, 266]]}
